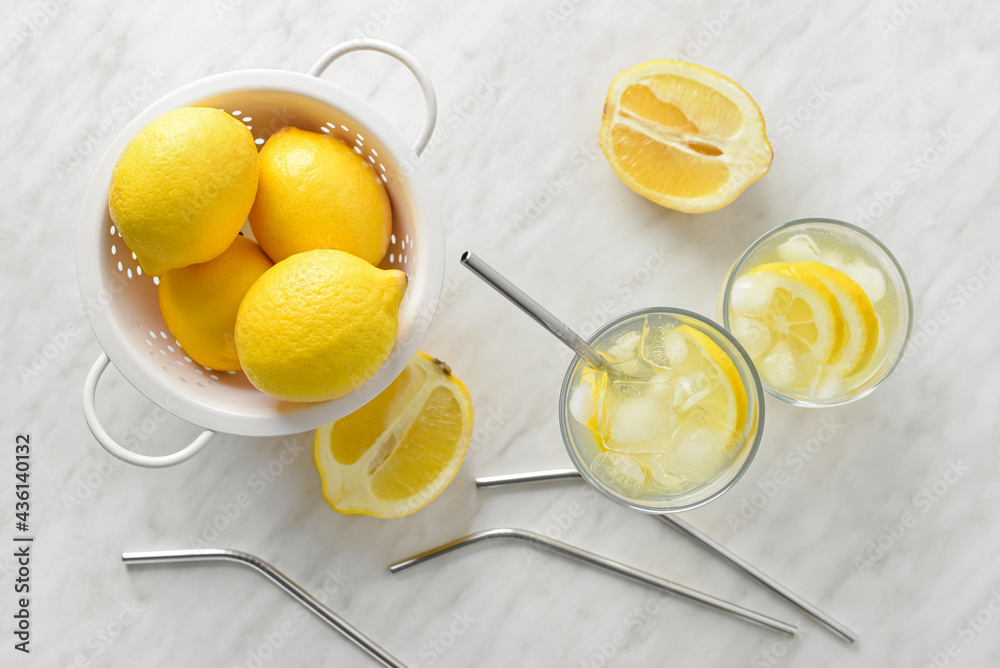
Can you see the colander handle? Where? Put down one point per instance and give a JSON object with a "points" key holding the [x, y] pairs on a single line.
{"points": [[112, 446], [430, 99]]}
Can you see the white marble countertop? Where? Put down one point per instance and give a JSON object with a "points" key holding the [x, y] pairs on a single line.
{"points": [[880, 113]]}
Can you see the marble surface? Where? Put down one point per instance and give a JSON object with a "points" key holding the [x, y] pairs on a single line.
{"points": [[882, 512]]}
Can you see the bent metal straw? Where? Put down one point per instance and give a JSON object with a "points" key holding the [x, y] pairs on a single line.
{"points": [[688, 531]]}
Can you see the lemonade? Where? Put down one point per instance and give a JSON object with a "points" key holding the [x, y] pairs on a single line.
{"points": [[822, 308], [679, 422]]}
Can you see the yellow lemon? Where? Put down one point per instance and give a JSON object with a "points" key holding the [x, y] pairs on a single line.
{"points": [[394, 455], [183, 187], [199, 302], [317, 325], [316, 192], [683, 136]]}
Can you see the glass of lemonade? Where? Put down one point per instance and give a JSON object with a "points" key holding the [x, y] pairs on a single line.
{"points": [[680, 422], [823, 309]]}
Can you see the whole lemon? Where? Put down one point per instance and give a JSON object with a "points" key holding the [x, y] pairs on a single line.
{"points": [[317, 325], [316, 192], [199, 302], [183, 187]]}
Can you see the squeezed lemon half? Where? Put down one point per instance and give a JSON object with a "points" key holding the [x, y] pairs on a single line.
{"points": [[395, 454]]}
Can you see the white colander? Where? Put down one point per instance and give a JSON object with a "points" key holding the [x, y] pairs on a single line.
{"points": [[121, 301]]}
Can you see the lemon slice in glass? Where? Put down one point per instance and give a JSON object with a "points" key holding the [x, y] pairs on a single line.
{"points": [[395, 454], [710, 407], [789, 321], [859, 324]]}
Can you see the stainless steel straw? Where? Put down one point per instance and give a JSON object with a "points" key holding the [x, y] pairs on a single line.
{"points": [[698, 537], [603, 563], [278, 578], [561, 330]]}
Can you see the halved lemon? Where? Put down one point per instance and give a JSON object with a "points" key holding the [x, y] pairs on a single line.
{"points": [[683, 136], [395, 454]]}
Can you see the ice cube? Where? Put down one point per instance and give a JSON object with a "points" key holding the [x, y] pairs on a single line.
{"points": [[697, 456], [753, 294], [782, 369], [828, 386], [638, 417], [665, 348], [624, 347], [585, 400], [753, 335], [798, 248], [619, 472], [871, 279], [624, 351], [691, 389]]}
